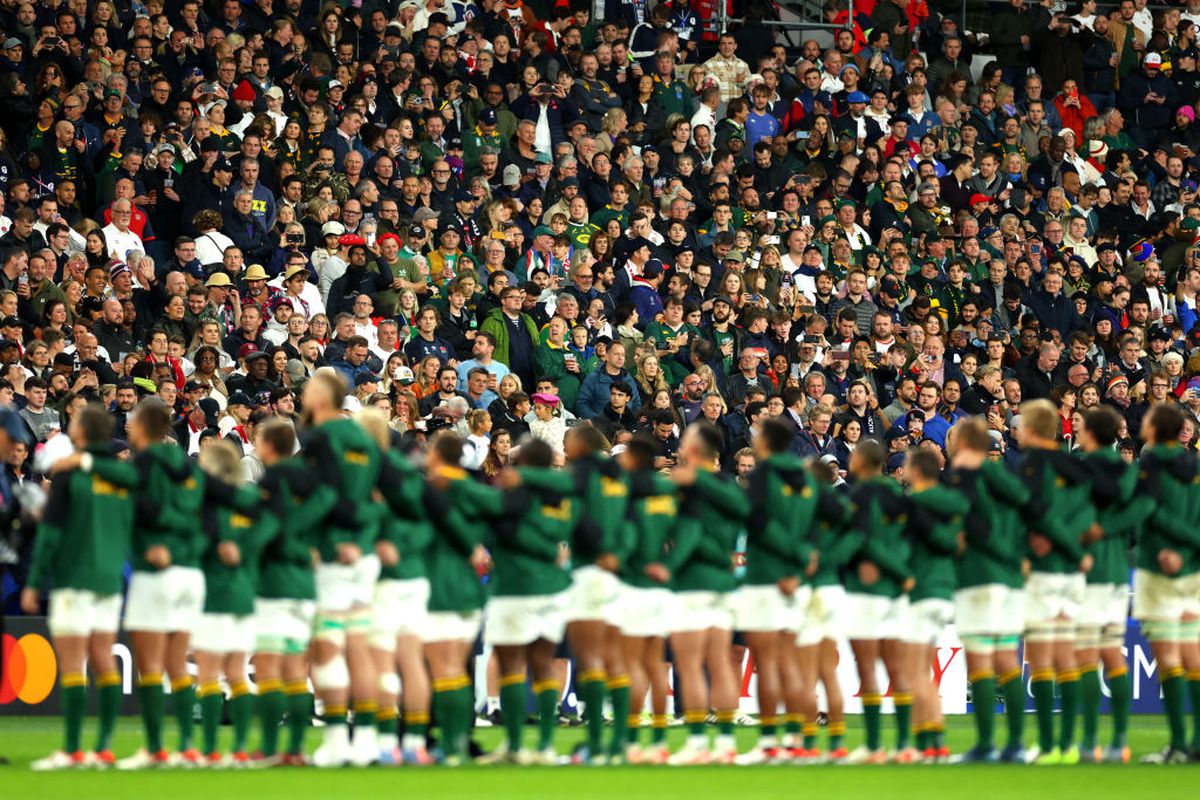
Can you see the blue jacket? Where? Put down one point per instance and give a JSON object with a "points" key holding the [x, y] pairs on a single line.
{"points": [[595, 392]]}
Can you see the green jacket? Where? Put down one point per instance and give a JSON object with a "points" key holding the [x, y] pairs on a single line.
{"points": [[525, 543], [550, 362], [1168, 476], [405, 523], [1060, 507], [170, 497], [495, 325], [232, 514], [345, 458], [299, 502], [474, 142], [675, 97], [934, 522], [880, 514], [675, 370], [701, 557], [84, 537], [1120, 511], [994, 526]]}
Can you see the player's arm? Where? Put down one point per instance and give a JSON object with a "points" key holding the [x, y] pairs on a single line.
{"points": [[762, 525], [50, 531], [725, 495], [940, 506], [686, 536]]}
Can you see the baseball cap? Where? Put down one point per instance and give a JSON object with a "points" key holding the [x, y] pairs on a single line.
{"points": [[239, 399], [1152, 60], [10, 420], [487, 116], [424, 213], [511, 175], [11, 321], [652, 269], [365, 377], [404, 376], [333, 228], [857, 97], [542, 158], [464, 196], [275, 92], [247, 350], [416, 230], [350, 239]]}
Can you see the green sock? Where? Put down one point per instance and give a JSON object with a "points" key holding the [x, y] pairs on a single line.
{"points": [[658, 729], [334, 714], [791, 727], [837, 733], [1068, 688], [983, 694], [547, 704], [591, 690], [270, 713], [512, 708], [809, 731], [74, 705], [466, 713], [183, 699], [1120, 695], [108, 686], [364, 714], [697, 723], [1043, 704], [299, 714], [923, 739], [1013, 689], [241, 711], [152, 699], [211, 705], [416, 723], [903, 701], [1089, 706], [767, 727], [444, 708], [1174, 688], [618, 690], [1193, 683], [872, 721]]}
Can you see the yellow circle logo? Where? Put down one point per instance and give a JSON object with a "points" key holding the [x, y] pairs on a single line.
{"points": [[30, 669]]}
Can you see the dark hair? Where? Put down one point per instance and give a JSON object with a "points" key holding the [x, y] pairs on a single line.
{"points": [[776, 435]]}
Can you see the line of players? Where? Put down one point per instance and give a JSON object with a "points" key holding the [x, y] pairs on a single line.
{"points": [[350, 565]]}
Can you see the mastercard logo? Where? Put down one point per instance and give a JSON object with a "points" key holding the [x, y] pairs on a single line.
{"points": [[30, 669]]}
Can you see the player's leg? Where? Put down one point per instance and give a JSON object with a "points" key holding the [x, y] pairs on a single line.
{"points": [[588, 639], [383, 656], [724, 690], [183, 693], [268, 677], [331, 675], [1087, 660], [898, 661], [1159, 605], [806, 659], [1067, 668], [657, 672], [866, 658], [639, 684], [1116, 675], [617, 685], [546, 688], [688, 647], [108, 688], [414, 676], [764, 649], [70, 650], [364, 679], [149, 656], [1041, 616], [512, 661], [241, 702], [1189, 653], [827, 661], [297, 696], [799, 698], [212, 702], [981, 674]]}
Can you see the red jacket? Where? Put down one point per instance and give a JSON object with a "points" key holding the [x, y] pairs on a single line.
{"points": [[1074, 118]]}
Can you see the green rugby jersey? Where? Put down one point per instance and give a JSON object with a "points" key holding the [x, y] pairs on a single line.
{"points": [[1120, 511], [170, 496], [84, 536], [1169, 477], [701, 556], [459, 513], [233, 514], [405, 523], [994, 525], [1060, 507], [299, 502], [525, 539], [787, 504], [880, 513], [602, 490], [345, 457], [934, 523], [652, 516]]}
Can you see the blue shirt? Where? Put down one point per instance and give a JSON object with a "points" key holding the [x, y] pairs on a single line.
{"points": [[759, 127]]}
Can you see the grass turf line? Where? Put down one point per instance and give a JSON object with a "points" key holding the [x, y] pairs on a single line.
{"points": [[23, 739]]}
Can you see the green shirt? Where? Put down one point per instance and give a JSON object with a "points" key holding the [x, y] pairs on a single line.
{"points": [[405, 523], [84, 536], [299, 502], [233, 515], [880, 514], [345, 458], [993, 525], [170, 497], [934, 523], [784, 499], [1120, 511], [1168, 476], [701, 556], [525, 543], [458, 514], [653, 514], [1060, 508]]}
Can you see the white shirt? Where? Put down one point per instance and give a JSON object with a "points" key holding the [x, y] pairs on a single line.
{"points": [[210, 247], [542, 142], [704, 116], [120, 244]]}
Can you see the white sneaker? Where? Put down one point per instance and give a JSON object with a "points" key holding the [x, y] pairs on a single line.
{"points": [[744, 719], [364, 750], [724, 755], [862, 755], [501, 755], [690, 756], [752, 758], [335, 750], [143, 759], [57, 761]]}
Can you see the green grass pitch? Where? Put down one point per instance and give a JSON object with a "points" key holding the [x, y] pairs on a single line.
{"points": [[23, 739]]}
